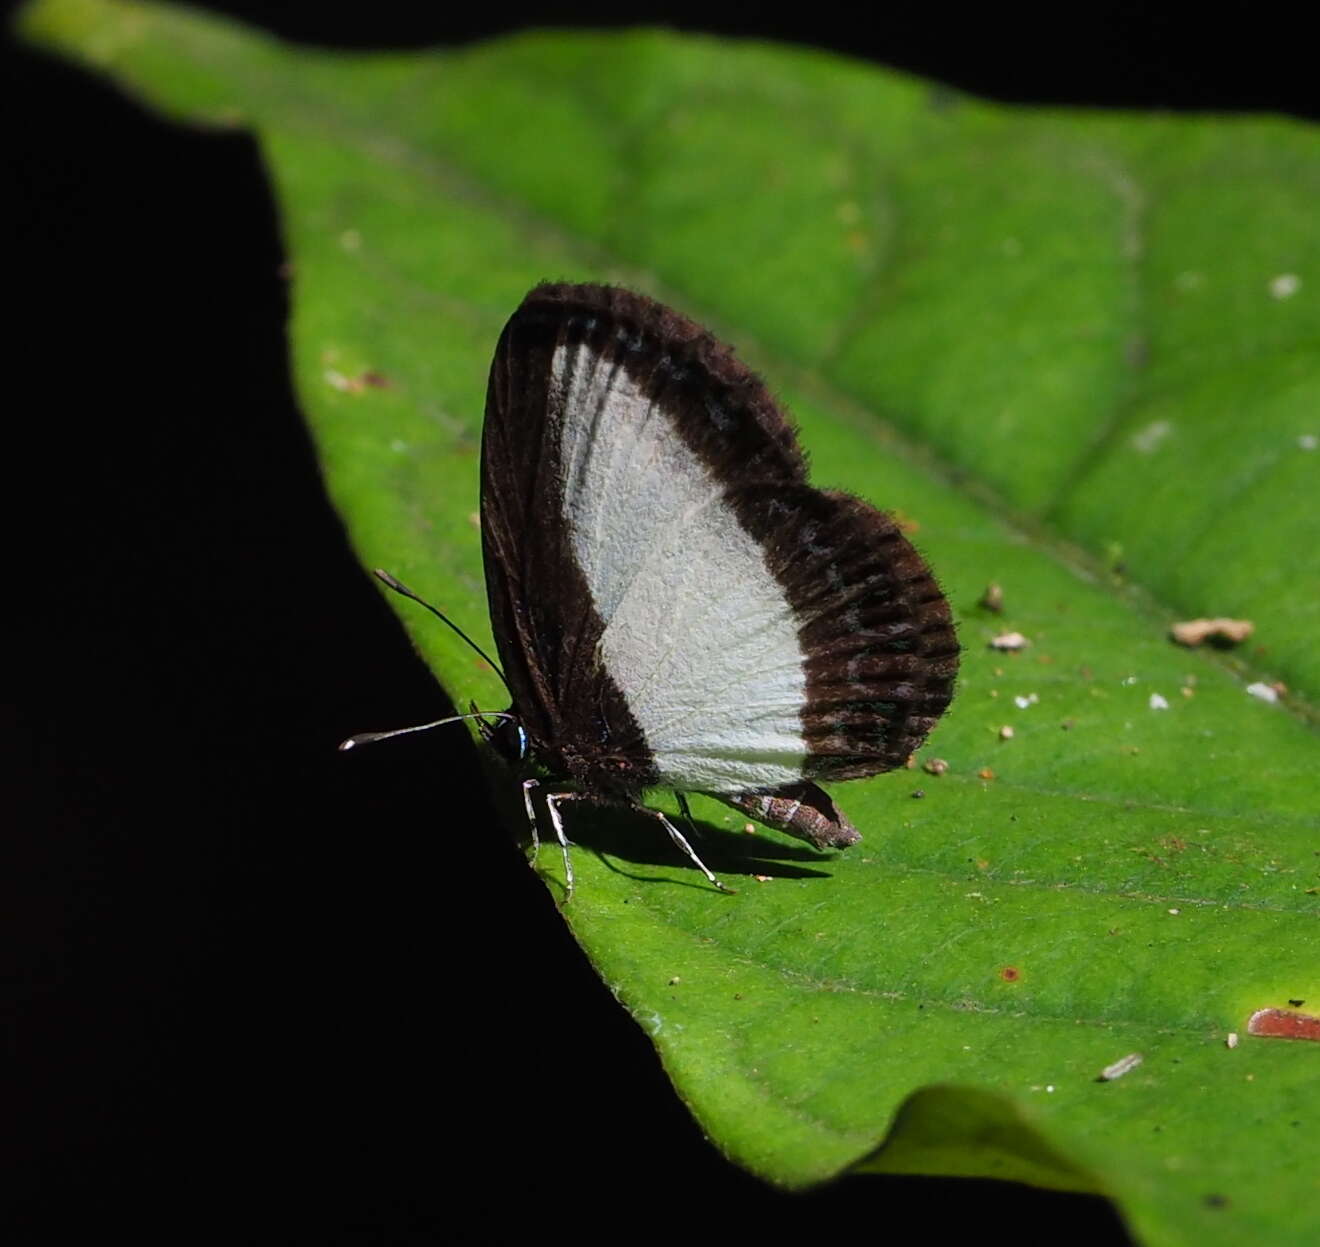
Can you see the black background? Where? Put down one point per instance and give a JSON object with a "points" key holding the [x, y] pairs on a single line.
{"points": [[259, 987]]}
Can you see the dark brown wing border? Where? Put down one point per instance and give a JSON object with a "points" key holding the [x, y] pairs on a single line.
{"points": [[877, 632]]}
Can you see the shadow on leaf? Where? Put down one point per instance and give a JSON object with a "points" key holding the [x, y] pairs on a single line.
{"points": [[615, 832]]}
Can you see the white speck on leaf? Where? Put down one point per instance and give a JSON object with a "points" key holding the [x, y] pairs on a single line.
{"points": [[1022, 702], [1148, 439], [1157, 702], [1124, 1065], [1285, 285], [1265, 692], [1308, 441]]}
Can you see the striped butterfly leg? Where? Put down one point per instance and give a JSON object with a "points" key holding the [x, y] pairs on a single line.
{"points": [[681, 841], [803, 810], [552, 801], [528, 785]]}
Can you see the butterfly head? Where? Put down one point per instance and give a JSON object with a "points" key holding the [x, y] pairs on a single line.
{"points": [[506, 735]]}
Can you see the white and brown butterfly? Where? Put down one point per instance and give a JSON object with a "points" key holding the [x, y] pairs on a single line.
{"points": [[673, 604]]}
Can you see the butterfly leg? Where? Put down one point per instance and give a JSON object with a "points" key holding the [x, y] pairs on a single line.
{"points": [[528, 785], [677, 837], [687, 813], [556, 821]]}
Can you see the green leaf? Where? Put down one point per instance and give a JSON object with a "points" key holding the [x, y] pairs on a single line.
{"points": [[1083, 352]]}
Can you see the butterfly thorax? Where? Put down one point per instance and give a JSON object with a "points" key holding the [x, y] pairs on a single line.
{"points": [[611, 775], [590, 766]]}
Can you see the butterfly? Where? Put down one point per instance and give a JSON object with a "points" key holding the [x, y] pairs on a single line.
{"points": [[674, 606]]}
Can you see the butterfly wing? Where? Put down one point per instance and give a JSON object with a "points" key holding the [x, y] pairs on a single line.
{"points": [[673, 603], [577, 487], [879, 649]]}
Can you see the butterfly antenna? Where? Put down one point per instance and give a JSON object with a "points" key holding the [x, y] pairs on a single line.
{"points": [[399, 587], [368, 738]]}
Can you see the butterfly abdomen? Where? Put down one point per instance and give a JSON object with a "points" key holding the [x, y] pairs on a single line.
{"points": [[803, 810]]}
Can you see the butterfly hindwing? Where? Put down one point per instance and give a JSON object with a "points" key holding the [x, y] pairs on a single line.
{"points": [[879, 650]]}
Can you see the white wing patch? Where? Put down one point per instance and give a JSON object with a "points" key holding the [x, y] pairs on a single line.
{"points": [[698, 635]]}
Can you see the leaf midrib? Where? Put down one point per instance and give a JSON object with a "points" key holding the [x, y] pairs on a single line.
{"points": [[1127, 804], [1209, 1027]]}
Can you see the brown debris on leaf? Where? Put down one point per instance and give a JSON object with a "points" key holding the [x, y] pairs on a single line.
{"points": [[1222, 632], [993, 598], [1284, 1024], [356, 385]]}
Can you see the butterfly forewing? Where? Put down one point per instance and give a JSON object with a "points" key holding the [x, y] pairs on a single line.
{"points": [[543, 616]]}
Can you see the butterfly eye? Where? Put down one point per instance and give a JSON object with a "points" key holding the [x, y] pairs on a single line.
{"points": [[509, 739]]}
